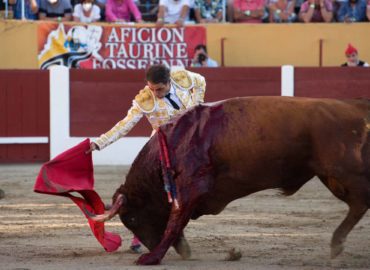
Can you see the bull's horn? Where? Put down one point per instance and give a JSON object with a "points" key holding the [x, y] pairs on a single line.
{"points": [[111, 212]]}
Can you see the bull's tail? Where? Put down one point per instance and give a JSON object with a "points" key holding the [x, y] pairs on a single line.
{"points": [[111, 212]]}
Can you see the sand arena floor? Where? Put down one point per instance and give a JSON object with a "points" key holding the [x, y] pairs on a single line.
{"points": [[273, 232]]}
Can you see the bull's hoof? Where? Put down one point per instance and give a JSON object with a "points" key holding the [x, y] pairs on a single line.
{"points": [[148, 259], [183, 248], [336, 250]]}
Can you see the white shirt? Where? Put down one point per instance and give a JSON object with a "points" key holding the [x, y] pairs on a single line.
{"points": [[94, 15], [174, 97], [173, 9]]}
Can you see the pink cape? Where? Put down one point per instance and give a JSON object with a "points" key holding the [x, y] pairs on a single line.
{"points": [[72, 171]]}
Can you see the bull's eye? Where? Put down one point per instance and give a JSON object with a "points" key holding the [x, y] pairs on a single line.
{"points": [[130, 221]]}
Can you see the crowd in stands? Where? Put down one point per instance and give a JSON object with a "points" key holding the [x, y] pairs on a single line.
{"points": [[181, 12]]}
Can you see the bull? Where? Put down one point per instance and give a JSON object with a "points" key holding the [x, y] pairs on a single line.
{"points": [[226, 150]]}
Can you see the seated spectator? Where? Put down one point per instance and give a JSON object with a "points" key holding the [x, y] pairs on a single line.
{"points": [[121, 11], [298, 4], [316, 11], [148, 9], [86, 12], [249, 11], [352, 58], [55, 10], [201, 58], [208, 11], [368, 10], [173, 11], [282, 11], [352, 11], [230, 10], [101, 4], [30, 10]]}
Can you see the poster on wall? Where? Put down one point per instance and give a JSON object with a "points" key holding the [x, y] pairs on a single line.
{"points": [[116, 46]]}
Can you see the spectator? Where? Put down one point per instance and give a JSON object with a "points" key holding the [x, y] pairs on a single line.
{"points": [[249, 11], [173, 11], [31, 9], [368, 10], [201, 58], [55, 10], [230, 10], [298, 4], [352, 58], [86, 12], [208, 11], [352, 11], [121, 11], [316, 11], [101, 4], [148, 9], [282, 11]]}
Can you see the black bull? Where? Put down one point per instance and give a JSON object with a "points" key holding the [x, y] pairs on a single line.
{"points": [[226, 150]]}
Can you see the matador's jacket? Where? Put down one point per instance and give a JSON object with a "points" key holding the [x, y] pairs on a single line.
{"points": [[189, 87]]}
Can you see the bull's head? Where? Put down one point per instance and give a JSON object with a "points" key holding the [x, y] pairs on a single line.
{"points": [[146, 218]]}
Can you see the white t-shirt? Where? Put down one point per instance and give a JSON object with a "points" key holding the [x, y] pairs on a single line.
{"points": [[94, 15], [173, 9]]}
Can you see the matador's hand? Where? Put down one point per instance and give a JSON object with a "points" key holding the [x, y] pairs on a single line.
{"points": [[93, 147]]}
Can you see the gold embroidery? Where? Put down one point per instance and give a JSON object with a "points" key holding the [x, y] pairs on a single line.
{"points": [[182, 79], [145, 100]]}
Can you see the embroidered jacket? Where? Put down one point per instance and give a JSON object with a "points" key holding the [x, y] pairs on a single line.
{"points": [[190, 89]]}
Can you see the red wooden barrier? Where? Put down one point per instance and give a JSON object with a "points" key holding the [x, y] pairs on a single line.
{"points": [[24, 112], [335, 82], [100, 98]]}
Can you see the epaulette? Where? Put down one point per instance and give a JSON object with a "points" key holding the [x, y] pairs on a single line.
{"points": [[182, 79], [145, 100]]}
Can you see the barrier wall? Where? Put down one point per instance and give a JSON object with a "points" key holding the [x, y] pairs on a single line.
{"points": [[99, 98], [257, 45], [86, 103], [24, 115]]}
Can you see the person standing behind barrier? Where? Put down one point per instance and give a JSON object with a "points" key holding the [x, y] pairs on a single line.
{"points": [[55, 10], [316, 11], [352, 11], [201, 58], [282, 11], [121, 11], [86, 12], [352, 58], [249, 11], [173, 11], [166, 95], [31, 9], [208, 11]]}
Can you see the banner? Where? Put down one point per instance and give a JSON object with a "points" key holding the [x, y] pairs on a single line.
{"points": [[116, 47]]}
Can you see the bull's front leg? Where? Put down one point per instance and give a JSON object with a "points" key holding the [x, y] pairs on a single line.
{"points": [[176, 223]]}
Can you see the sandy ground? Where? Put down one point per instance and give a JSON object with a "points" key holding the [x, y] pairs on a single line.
{"points": [[273, 232]]}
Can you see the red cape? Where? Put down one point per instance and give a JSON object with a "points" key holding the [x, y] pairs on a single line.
{"points": [[72, 171]]}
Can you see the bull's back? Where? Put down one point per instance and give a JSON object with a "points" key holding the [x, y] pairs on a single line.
{"points": [[268, 142]]}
